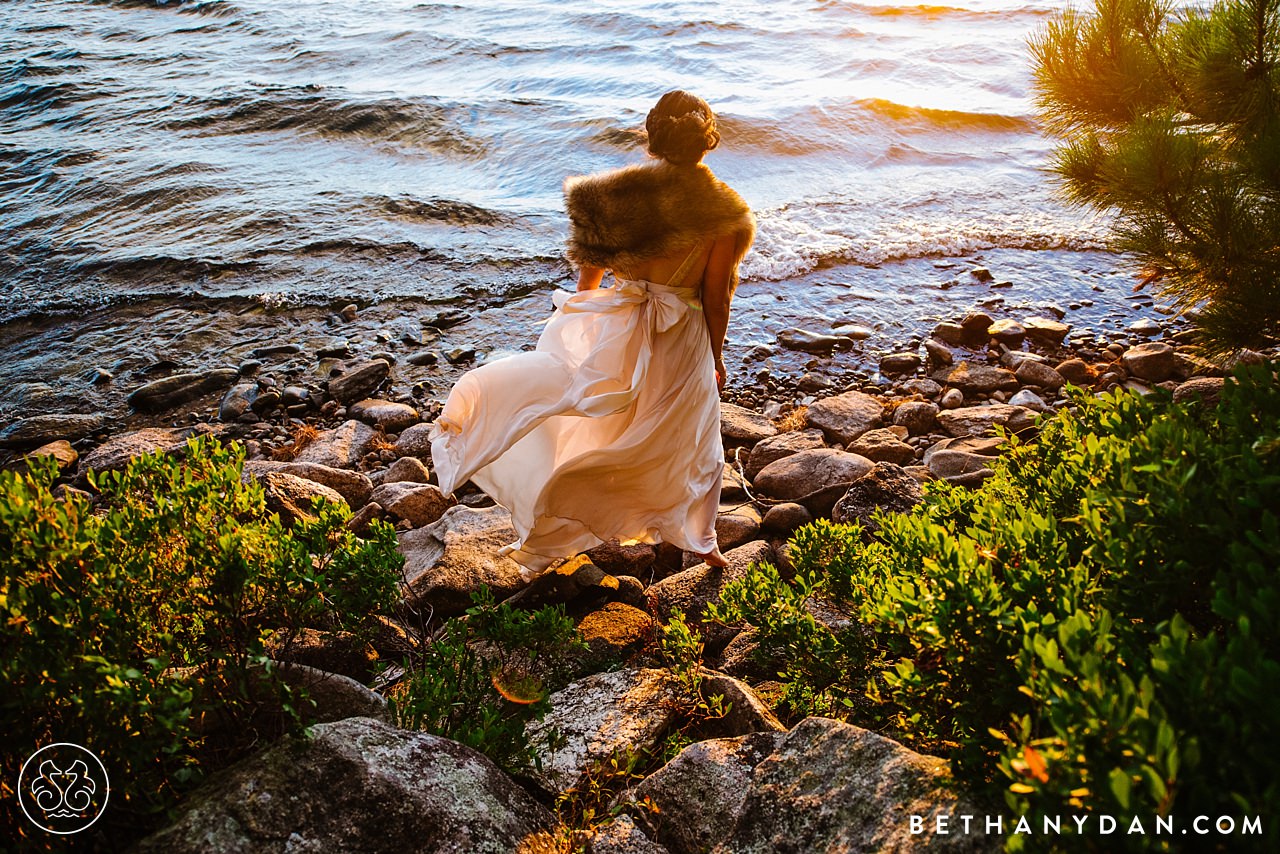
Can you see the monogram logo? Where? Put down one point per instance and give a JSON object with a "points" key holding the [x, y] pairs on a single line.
{"points": [[63, 788]]}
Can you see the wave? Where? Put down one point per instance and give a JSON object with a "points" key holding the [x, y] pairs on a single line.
{"points": [[311, 110], [215, 8], [448, 211], [932, 12]]}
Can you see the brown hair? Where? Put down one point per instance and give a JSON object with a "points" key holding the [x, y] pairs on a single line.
{"points": [[681, 128]]}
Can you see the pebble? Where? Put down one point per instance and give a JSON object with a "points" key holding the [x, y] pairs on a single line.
{"points": [[349, 312], [1144, 326], [953, 398]]}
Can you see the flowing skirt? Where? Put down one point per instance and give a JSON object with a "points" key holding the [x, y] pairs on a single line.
{"points": [[610, 428]]}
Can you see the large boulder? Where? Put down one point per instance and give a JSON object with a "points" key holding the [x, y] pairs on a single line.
{"points": [[809, 471], [415, 441], [739, 424], [699, 794], [615, 631], [782, 445], [1153, 361], [63, 455], [357, 785], [884, 444], [386, 414], [886, 487], [351, 485], [445, 562], [1206, 389], [359, 382], [831, 786], [1039, 374], [116, 452], [845, 417], [341, 447], [981, 420], [918, 416], [168, 392], [42, 429], [737, 526], [693, 589]]}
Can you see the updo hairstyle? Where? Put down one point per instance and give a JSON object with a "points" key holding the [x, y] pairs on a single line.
{"points": [[681, 128]]}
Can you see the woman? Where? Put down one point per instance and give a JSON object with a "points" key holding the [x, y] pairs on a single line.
{"points": [[611, 427]]}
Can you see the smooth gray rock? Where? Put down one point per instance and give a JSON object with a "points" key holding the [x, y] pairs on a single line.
{"points": [[845, 417], [291, 497], [779, 446], [806, 472], [1153, 361], [737, 527], [899, 363], [1036, 373], [884, 444], [116, 452], [979, 420], [357, 785], [1046, 331], [973, 378], [353, 486], [783, 519], [390, 416], [407, 470], [1030, 400], [341, 447], [168, 392], [415, 441], [810, 342], [416, 503], [42, 429]]}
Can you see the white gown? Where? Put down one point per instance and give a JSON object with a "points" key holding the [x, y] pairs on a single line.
{"points": [[610, 428]]}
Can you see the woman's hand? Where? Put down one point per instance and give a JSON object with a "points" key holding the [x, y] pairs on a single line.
{"points": [[721, 374]]}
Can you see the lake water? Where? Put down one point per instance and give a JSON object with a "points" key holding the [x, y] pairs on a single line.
{"points": [[297, 153]]}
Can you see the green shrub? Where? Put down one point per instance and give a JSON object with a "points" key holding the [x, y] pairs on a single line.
{"points": [[135, 625], [1092, 629], [482, 678]]}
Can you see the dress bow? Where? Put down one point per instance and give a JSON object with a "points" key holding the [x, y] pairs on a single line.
{"points": [[665, 306]]}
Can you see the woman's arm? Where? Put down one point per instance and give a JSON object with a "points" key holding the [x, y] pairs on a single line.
{"points": [[716, 297], [589, 278]]}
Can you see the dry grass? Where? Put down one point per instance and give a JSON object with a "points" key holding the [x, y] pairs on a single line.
{"points": [[379, 442], [793, 420], [300, 436]]}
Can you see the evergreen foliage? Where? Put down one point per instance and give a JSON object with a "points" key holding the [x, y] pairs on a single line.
{"points": [[1171, 119], [1092, 630]]}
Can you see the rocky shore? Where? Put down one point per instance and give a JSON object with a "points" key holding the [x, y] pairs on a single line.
{"points": [[799, 448]]}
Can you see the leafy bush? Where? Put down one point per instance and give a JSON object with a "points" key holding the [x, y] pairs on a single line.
{"points": [[135, 625], [482, 678], [1092, 629]]}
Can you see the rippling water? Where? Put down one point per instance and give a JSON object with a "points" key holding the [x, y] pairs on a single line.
{"points": [[308, 150]]}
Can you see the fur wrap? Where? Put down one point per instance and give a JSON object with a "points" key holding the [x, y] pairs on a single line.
{"points": [[625, 216]]}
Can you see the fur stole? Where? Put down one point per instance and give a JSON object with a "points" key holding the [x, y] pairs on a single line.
{"points": [[625, 216]]}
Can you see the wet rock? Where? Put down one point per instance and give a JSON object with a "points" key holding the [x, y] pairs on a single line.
{"points": [[899, 363], [979, 420], [812, 383], [447, 561], [292, 497], [237, 400], [951, 333], [1011, 333], [975, 325], [1013, 359], [974, 378], [391, 417], [853, 331], [1153, 361], [938, 352], [448, 318], [425, 359], [1076, 372], [1206, 389], [952, 399], [359, 382], [358, 785], [1030, 400], [699, 794], [1144, 326], [1034, 373], [810, 342], [575, 582], [61, 452], [353, 486], [886, 487], [168, 392], [341, 447], [808, 471], [783, 445], [845, 417], [1046, 331], [831, 786], [737, 527], [417, 504], [295, 395], [884, 444], [275, 350], [461, 355], [42, 429], [918, 416], [415, 441], [982, 274], [782, 519], [600, 715], [100, 376], [738, 424]]}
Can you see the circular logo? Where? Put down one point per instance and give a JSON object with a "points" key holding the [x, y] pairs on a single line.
{"points": [[63, 788]]}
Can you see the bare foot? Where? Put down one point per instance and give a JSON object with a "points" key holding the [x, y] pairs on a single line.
{"points": [[715, 558]]}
